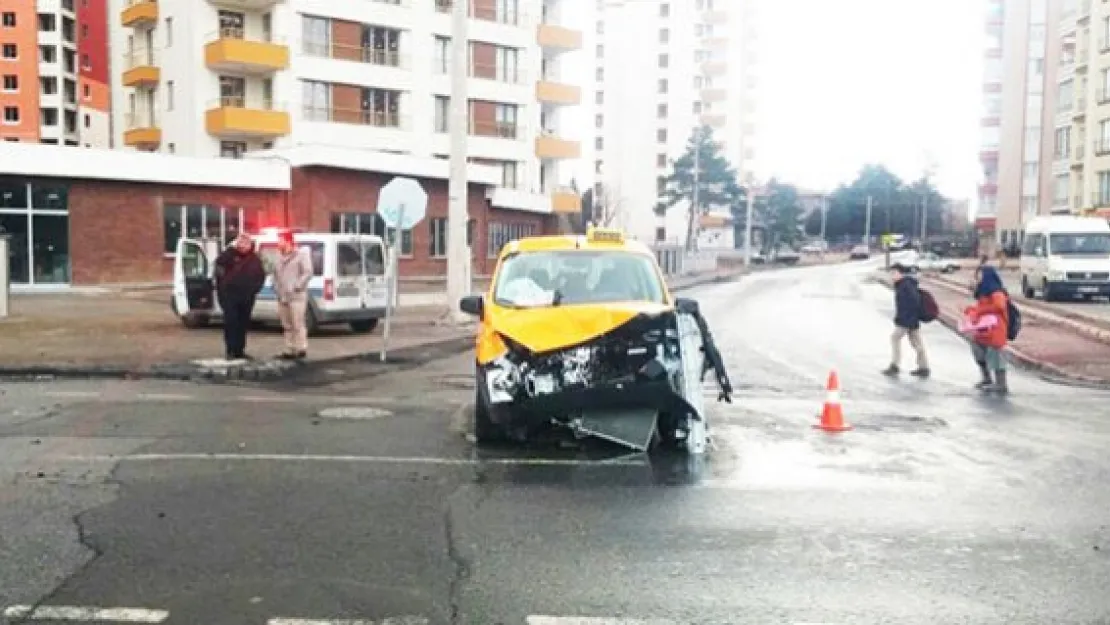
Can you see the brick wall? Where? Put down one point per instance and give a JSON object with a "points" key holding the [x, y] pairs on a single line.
{"points": [[117, 231]]}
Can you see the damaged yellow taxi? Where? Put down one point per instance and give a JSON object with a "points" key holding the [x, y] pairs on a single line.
{"points": [[580, 332]]}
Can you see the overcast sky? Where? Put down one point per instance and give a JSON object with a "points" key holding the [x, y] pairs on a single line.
{"points": [[849, 82]]}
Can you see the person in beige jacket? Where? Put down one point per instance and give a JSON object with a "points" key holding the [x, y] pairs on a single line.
{"points": [[292, 272]]}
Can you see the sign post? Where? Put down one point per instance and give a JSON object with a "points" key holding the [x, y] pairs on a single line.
{"points": [[5, 276], [402, 203]]}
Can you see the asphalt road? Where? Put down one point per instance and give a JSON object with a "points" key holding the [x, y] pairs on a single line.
{"points": [[363, 500]]}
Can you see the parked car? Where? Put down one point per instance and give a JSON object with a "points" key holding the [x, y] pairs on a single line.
{"points": [[860, 252], [816, 247], [930, 261], [786, 256]]}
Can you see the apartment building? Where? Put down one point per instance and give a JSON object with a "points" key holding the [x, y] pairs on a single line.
{"points": [[229, 77], [54, 68], [662, 68], [1087, 28]]}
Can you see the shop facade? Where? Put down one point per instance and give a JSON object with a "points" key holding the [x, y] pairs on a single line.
{"points": [[34, 215]]}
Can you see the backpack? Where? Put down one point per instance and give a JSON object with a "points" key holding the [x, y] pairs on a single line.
{"points": [[1014, 317], [929, 309]]}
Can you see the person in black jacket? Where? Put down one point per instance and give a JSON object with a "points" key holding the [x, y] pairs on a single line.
{"points": [[907, 322], [239, 277]]}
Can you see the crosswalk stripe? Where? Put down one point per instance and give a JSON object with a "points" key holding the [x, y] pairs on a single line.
{"points": [[86, 614], [593, 620], [392, 620]]}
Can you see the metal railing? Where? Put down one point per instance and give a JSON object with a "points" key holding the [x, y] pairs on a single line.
{"points": [[495, 129], [489, 14], [1100, 199], [140, 58], [239, 33], [358, 54], [246, 103], [136, 120], [484, 71]]}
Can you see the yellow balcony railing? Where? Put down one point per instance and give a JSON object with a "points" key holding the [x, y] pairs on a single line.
{"points": [[142, 131], [566, 202], [236, 117], [230, 50], [552, 92], [558, 37], [139, 13], [555, 148], [140, 68]]}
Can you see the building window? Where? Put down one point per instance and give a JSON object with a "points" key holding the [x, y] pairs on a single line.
{"points": [[316, 35], [36, 222], [498, 234], [664, 35], [49, 117], [88, 121], [664, 60], [10, 51], [443, 55], [86, 63], [507, 62], [661, 111], [86, 92], [316, 100], [661, 135], [442, 113], [510, 176], [198, 221], [599, 97], [48, 23], [662, 85], [9, 19], [232, 149], [664, 10], [11, 82], [169, 32], [600, 51], [599, 75], [11, 115], [437, 237], [370, 223], [661, 160], [660, 185], [169, 95]]}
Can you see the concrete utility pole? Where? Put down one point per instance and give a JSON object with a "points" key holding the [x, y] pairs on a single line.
{"points": [[458, 252], [867, 225], [748, 223], [824, 215]]}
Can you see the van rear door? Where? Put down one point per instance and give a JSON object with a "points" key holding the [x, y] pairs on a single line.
{"points": [[376, 292], [194, 287]]}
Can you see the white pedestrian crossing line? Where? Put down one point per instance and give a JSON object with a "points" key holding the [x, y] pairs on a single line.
{"points": [[392, 620], [594, 620], [85, 614]]}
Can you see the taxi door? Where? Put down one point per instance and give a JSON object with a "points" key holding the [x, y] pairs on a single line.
{"points": [[194, 285]]}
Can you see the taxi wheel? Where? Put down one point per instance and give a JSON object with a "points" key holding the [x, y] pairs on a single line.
{"points": [[362, 326], [485, 430]]}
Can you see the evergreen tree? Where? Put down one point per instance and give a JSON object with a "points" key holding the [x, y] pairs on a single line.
{"points": [[715, 185]]}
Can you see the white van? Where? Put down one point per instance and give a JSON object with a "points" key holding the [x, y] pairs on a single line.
{"points": [[1065, 256], [350, 284]]}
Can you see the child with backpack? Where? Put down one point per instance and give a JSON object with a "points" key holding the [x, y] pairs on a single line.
{"points": [[909, 313], [990, 336]]}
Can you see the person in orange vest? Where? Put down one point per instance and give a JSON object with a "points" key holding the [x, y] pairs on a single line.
{"points": [[989, 344]]}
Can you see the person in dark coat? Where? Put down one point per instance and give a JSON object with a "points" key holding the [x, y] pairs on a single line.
{"points": [[239, 277], [907, 322]]}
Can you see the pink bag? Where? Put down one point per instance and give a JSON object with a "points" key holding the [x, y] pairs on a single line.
{"points": [[986, 322]]}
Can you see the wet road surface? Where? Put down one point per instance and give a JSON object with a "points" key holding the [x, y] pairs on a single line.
{"points": [[145, 502]]}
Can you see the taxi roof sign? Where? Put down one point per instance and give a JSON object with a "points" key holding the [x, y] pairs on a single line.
{"points": [[604, 235]]}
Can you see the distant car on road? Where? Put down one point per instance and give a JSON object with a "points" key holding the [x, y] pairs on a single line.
{"points": [[817, 247], [930, 261], [786, 256], [860, 252]]}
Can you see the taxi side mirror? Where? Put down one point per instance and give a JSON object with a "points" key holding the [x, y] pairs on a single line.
{"points": [[686, 306], [471, 305]]}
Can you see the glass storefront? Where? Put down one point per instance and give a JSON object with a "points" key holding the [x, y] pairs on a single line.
{"points": [[34, 215]]}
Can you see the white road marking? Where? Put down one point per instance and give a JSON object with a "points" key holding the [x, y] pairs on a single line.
{"points": [[72, 394], [86, 614], [593, 620], [266, 399], [163, 397], [392, 620], [350, 459]]}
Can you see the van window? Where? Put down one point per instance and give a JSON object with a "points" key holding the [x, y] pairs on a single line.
{"points": [[348, 259], [1032, 242], [1096, 243], [375, 259], [269, 254]]}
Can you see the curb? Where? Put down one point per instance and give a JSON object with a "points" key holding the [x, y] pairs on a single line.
{"points": [[1036, 309], [1015, 355], [261, 371]]}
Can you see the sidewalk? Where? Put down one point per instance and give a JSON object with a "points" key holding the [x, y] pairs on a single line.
{"points": [[1045, 343], [134, 333]]}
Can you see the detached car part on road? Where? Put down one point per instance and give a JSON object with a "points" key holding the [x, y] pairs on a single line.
{"points": [[581, 332]]}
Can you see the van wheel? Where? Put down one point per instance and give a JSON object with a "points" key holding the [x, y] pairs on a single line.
{"points": [[311, 324], [194, 322], [1046, 293], [363, 326], [1026, 290]]}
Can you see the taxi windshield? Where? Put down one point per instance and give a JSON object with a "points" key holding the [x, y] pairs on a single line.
{"points": [[561, 278]]}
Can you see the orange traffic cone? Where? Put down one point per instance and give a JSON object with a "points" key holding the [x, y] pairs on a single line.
{"points": [[832, 417]]}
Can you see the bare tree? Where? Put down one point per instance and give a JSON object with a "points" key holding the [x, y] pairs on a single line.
{"points": [[606, 206]]}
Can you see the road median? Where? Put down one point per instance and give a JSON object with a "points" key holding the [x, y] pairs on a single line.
{"points": [[1058, 350]]}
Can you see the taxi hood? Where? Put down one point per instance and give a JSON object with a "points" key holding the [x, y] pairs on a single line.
{"points": [[550, 328]]}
